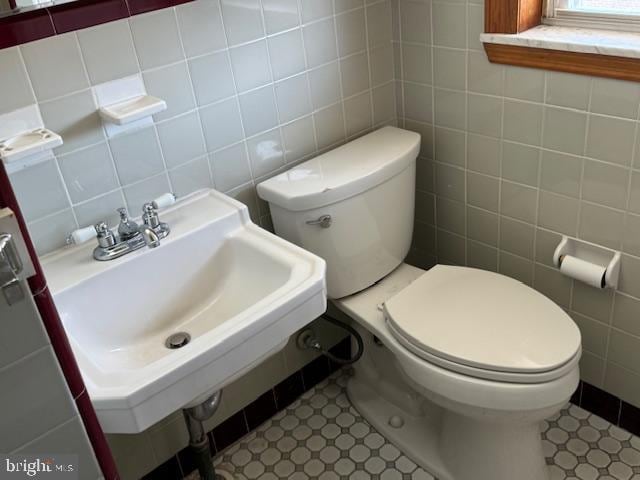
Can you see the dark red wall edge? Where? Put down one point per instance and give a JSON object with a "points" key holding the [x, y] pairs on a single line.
{"points": [[59, 339], [35, 24]]}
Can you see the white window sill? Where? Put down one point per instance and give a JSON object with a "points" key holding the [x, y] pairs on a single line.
{"points": [[571, 39]]}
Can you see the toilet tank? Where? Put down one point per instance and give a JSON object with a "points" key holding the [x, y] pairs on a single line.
{"points": [[364, 191]]}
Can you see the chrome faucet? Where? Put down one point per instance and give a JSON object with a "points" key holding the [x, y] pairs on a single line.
{"points": [[130, 236], [150, 237]]}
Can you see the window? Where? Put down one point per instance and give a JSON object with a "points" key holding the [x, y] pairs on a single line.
{"points": [[575, 36], [631, 7], [606, 14]]}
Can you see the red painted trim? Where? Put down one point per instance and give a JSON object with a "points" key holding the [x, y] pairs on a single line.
{"points": [[143, 6], [58, 337], [27, 26], [94, 431], [68, 17]]}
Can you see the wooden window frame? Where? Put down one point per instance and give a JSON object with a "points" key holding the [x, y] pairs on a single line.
{"points": [[517, 16]]}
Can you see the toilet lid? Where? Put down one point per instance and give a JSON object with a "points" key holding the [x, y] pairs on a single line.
{"points": [[483, 320]]}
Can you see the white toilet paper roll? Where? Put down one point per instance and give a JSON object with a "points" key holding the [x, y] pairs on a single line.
{"points": [[586, 272]]}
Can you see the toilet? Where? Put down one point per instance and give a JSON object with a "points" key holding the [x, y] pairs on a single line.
{"points": [[460, 365]]}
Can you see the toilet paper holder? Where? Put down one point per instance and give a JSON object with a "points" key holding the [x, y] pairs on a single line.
{"points": [[592, 253]]}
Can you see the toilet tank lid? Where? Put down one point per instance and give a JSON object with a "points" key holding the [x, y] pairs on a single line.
{"points": [[343, 172]]}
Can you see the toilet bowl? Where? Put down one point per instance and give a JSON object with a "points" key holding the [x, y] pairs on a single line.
{"points": [[457, 425], [460, 365]]}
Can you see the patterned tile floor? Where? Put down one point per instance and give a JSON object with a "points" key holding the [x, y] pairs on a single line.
{"points": [[321, 436]]}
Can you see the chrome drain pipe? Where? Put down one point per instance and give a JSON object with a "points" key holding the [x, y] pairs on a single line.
{"points": [[198, 440]]}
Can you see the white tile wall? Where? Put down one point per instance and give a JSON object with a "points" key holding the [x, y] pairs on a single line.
{"points": [[38, 413], [250, 86], [511, 158], [514, 157]]}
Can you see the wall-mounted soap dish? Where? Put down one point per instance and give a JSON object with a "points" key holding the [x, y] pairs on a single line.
{"points": [[132, 109], [28, 143]]}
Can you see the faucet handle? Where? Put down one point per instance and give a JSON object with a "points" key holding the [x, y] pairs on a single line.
{"points": [[150, 209], [81, 235], [151, 219], [150, 215], [105, 236], [164, 200]]}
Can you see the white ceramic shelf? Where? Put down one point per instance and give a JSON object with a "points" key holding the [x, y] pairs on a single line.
{"points": [[133, 109], [28, 143]]}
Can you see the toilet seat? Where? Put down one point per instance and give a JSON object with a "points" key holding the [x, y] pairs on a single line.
{"points": [[449, 317], [498, 376]]}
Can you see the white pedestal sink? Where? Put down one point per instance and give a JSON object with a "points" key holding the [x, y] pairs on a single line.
{"points": [[237, 290]]}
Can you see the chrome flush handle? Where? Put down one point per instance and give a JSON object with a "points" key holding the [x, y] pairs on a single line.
{"points": [[323, 221]]}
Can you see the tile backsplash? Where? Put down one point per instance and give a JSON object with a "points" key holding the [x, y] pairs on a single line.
{"points": [[512, 158], [251, 88]]}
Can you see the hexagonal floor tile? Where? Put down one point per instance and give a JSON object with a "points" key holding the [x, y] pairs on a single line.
{"points": [[359, 453], [588, 434], [300, 455], [585, 471], [301, 432], [254, 470], [316, 422], [318, 401], [568, 423], [609, 445], [557, 435], [321, 436], [270, 456], [630, 456], [391, 475], [345, 441], [375, 465], [314, 468], [374, 440], [620, 471], [329, 476], [577, 447], [345, 420], [359, 430], [566, 460], [344, 466], [284, 468], [329, 454], [598, 458]]}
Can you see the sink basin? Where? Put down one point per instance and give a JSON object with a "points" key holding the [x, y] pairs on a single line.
{"points": [[238, 291]]}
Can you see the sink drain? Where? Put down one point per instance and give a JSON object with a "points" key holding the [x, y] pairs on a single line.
{"points": [[177, 340]]}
